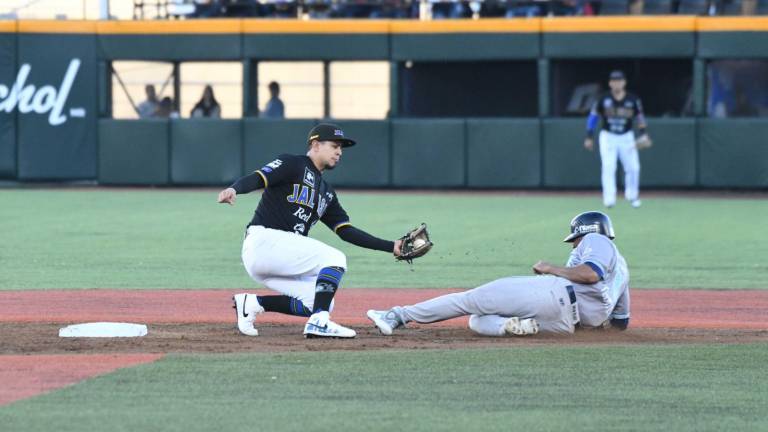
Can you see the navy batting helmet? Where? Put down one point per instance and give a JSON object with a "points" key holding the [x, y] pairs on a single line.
{"points": [[590, 222]]}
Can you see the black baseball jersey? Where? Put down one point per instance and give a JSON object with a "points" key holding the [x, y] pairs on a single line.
{"points": [[296, 197], [618, 115]]}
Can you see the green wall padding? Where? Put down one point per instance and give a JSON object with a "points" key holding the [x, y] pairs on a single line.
{"points": [[566, 163], [366, 164], [733, 153], [63, 145], [619, 45], [170, 47], [503, 153], [265, 139], [458, 47], [738, 44], [672, 159], [7, 120], [307, 47], [206, 151], [428, 153], [133, 152]]}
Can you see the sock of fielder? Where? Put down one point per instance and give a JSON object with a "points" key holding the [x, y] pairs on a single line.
{"points": [[328, 281], [284, 304]]}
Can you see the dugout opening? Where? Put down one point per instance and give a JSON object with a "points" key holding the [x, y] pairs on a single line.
{"points": [[468, 89], [664, 85]]}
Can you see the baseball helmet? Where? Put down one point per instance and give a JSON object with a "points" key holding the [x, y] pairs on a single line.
{"points": [[590, 222]]}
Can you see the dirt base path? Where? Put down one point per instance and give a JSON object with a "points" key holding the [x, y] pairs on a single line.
{"points": [[650, 308], [34, 360], [24, 376]]}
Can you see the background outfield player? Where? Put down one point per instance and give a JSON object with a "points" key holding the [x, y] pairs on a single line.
{"points": [[592, 290], [618, 109], [276, 250]]}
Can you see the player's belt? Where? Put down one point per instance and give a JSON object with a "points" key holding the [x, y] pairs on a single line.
{"points": [[574, 307], [571, 294]]}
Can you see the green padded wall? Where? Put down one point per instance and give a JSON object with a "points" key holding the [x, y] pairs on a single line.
{"points": [[367, 164], [7, 120], [170, 47], [733, 153], [206, 151], [503, 153], [458, 47], [672, 159], [316, 46], [738, 44], [133, 152], [57, 141], [428, 153], [265, 139], [566, 163], [622, 45]]}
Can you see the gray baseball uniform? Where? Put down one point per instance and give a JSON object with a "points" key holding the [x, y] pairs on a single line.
{"points": [[548, 299]]}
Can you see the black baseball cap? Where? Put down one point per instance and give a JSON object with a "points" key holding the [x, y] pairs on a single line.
{"points": [[329, 132], [617, 75]]}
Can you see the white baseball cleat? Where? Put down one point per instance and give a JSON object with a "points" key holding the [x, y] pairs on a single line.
{"points": [[521, 327], [385, 321], [320, 325], [636, 203], [247, 307]]}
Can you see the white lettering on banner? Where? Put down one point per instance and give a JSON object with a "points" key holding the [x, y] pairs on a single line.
{"points": [[46, 99]]}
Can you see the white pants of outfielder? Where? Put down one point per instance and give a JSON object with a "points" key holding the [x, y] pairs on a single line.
{"points": [[621, 146], [542, 297], [287, 262]]}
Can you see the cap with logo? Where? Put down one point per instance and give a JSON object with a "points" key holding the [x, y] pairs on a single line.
{"points": [[617, 75], [329, 132]]}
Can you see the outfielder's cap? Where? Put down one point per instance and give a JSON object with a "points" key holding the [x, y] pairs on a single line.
{"points": [[617, 75], [329, 132]]}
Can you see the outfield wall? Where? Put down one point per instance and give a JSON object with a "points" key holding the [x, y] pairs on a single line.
{"points": [[55, 102]]}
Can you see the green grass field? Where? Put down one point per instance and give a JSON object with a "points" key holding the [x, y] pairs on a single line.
{"points": [[183, 239], [693, 388], [173, 239]]}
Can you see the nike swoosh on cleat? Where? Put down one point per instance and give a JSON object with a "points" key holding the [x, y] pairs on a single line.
{"points": [[323, 329], [245, 315]]}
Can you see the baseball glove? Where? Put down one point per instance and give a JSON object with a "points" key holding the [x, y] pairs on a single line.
{"points": [[415, 244], [643, 142]]}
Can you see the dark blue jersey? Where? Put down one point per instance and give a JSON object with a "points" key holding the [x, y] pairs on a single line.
{"points": [[296, 196], [618, 115]]}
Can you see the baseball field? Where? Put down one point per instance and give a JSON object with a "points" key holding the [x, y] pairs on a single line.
{"points": [[693, 359]]}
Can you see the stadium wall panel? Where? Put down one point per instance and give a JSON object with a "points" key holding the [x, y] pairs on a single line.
{"points": [[368, 163], [7, 119], [566, 163], [264, 139], [57, 126], [134, 152], [316, 46], [206, 151], [671, 162], [462, 47], [428, 153], [733, 153], [503, 153]]}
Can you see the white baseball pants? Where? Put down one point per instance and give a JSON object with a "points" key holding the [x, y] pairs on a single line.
{"points": [[621, 146], [542, 297], [287, 262]]}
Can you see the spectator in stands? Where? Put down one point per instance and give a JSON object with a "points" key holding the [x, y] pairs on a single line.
{"points": [[274, 108], [148, 108], [207, 106], [165, 109]]}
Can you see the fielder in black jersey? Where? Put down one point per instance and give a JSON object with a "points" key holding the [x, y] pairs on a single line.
{"points": [[618, 111], [276, 249]]}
